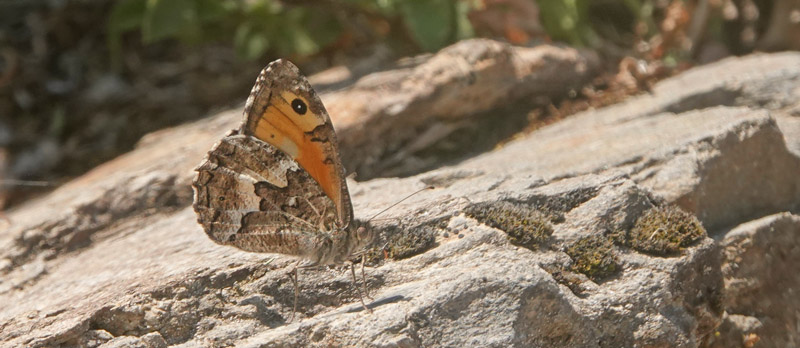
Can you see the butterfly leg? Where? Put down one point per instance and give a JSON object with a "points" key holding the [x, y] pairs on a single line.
{"points": [[364, 276], [355, 285], [293, 277]]}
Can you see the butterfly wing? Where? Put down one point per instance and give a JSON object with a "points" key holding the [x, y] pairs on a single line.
{"points": [[284, 111], [277, 185], [250, 195]]}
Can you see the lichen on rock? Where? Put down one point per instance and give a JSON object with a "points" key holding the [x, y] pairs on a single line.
{"points": [[663, 231], [593, 256], [525, 227], [414, 241]]}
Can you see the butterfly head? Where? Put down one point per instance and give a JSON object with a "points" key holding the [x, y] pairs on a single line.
{"points": [[348, 243], [364, 236]]}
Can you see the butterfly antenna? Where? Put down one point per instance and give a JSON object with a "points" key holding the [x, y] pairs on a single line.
{"points": [[398, 202]]}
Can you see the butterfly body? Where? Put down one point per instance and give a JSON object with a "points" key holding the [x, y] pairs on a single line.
{"points": [[276, 184]]}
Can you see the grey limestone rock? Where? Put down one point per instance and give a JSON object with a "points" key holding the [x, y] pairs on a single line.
{"points": [[527, 245]]}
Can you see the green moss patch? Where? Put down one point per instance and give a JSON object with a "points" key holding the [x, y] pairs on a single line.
{"points": [[593, 256], [399, 242], [664, 231], [525, 227], [413, 241]]}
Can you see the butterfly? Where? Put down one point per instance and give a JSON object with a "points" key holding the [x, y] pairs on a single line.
{"points": [[276, 184]]}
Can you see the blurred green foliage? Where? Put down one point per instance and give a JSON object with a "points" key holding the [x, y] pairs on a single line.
{"points": [[434, 23], [256, 27], [566, 20], [578, 21]]}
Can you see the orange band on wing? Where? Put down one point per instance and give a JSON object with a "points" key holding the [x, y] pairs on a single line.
{"points": [[277, 129]]}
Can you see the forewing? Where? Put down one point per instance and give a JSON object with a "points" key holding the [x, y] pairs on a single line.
{"points": [[284, 111]]}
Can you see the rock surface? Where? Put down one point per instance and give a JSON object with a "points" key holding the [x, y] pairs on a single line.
{"points": [[758, 259], [529, 245]]}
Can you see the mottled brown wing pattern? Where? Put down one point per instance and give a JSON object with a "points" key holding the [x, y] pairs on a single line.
{"points": [[283, 110], [250, 195], [277, 183]]}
